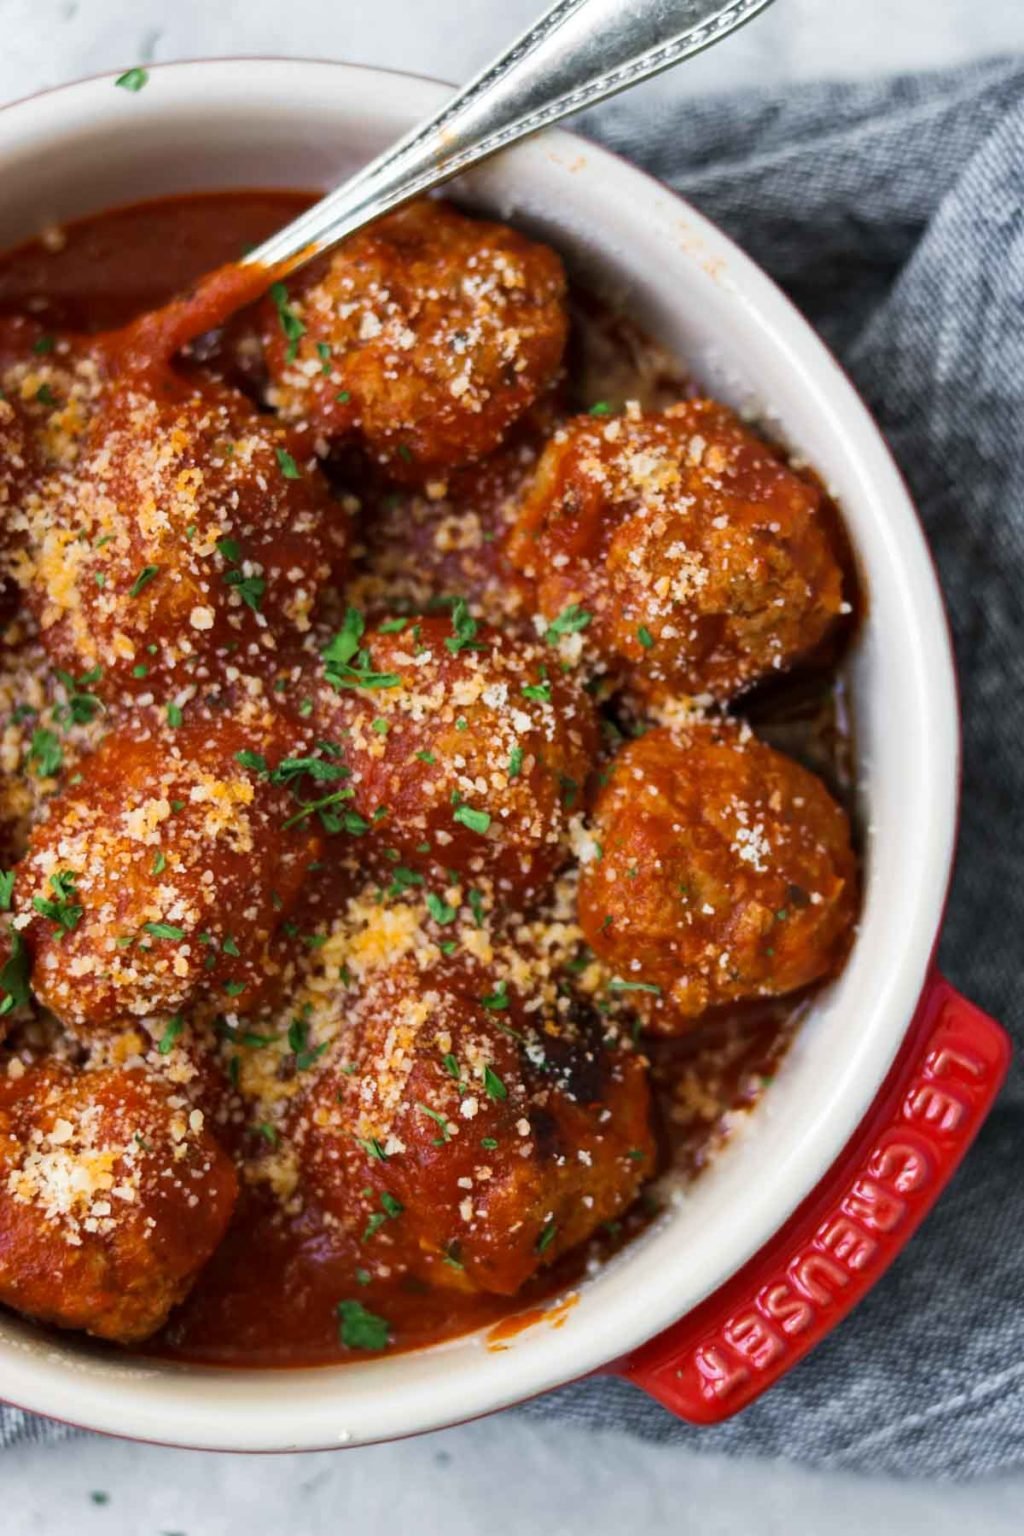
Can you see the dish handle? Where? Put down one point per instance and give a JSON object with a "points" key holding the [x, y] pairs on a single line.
{"points": [[746, 1335]]}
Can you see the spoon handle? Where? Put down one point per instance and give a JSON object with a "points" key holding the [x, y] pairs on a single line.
{"points": [[578, 53]]}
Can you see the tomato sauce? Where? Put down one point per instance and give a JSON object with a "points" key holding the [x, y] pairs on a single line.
{"points": [[269, 1296]]}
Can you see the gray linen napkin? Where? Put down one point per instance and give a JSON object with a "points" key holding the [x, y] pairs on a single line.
{"points": [[893, 213]]}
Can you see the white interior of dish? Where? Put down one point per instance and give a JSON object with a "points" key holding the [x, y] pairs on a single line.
{"points": [[268, 124]]}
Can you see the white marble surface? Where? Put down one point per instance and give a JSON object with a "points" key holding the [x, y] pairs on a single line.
{"points": [[502, 1476]]}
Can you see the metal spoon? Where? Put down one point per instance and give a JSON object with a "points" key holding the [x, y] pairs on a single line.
{"points": [[578, 53]]}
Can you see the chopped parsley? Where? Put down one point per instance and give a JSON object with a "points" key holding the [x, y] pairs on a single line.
{"points": [[645, 637], [61, 909], [330, 819], [80, 706], [569, 622], [439, 1120], [360, 1329], [476, 821], [515, 762], [289, 321], [45, 753], [452, 1067], [493, 1085], [539, 692], [546, 1237], [346, 665], [164, 931], [290, 768], [390, 1210], [287, 465], [402, 879], [174, 1028], [616, 985], [254, 760], [440, 910], [497, 1001], [133, 80], [464, 629], [298, 1040], [174, 715], [6, 888], [143, 579], [249, 588]]}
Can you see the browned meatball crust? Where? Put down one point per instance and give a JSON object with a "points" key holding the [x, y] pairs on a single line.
{"points": [[160, 877], [112, 1197], [427, 335], [491, 1139], [468, 748], [189, 531], [725, 872], [703, 561]]}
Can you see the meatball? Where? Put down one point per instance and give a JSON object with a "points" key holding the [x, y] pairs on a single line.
{"points": [[468, 749], [724, 872], [112, 1197], [161, 876], [702, 560], [427, 334], [471, 1140], [188, 528]]}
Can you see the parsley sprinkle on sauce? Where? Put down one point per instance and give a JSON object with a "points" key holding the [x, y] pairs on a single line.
{"points": [[440, 910], [143, 579], [493, 1085], [361, 1329], [475, 820], [287, 465], [169, 931], [289, 321], [570, 621], [170, 1036]]}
